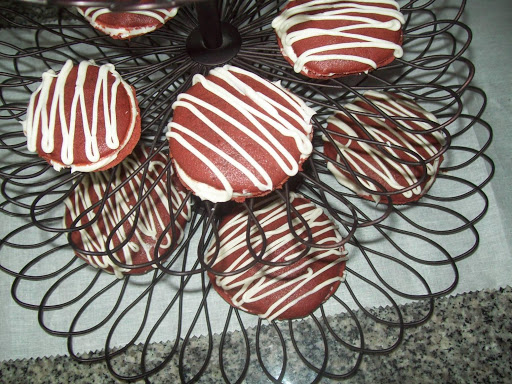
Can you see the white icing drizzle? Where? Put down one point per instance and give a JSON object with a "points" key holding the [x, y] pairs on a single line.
{"points": [[383, 132], [250, 288], [271, 112], [154, 213], [353, 15], [159, 15], [40, 118]]}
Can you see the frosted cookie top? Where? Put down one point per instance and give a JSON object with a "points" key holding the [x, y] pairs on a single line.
{"points": [[394, 156], [235, 135], [333, 38], [125, 25], [85, 118], [277, 291], [137, 243]]}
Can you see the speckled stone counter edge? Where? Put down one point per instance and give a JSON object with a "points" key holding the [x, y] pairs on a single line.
{"points": [[467, 339]]}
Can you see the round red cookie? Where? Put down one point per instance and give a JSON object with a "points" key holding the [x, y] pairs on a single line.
{"points": [[277, 292], [125, 25], [235, 135], [368, 159], [153, 216], [333, 38], [85, 118]]}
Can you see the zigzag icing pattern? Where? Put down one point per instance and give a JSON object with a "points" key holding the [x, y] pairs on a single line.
{"points": [[154, 213], [160, 15], [267, 110], [395, 175], [156, 18], [43, 121], [291, 285], [355, 17]]}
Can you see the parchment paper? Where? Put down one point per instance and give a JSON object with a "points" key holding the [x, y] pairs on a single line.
{"points": [[489, 267]]}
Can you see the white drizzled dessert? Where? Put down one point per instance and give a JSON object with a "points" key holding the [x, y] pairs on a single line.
{"points": [[284, 291], [85, 118], [153, 215], [379, 163], [235, 135], [332, 38], [128, 24]]}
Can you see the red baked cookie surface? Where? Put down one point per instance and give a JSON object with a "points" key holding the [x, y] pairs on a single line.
{"points": [[235, 135], [399, 169], [125, 25], [334, 38], [277, 292], [153, 217], [85, 118]]}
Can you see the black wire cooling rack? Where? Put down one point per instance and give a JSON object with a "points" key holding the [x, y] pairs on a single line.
{"points": [[398, 254]]}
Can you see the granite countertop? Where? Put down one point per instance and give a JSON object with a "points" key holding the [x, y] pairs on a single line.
{"points": [[468, 337], [467, 340]]}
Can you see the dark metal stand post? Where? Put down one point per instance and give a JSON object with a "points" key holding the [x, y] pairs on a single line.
{"points": [[209, 23], [213, 42]]}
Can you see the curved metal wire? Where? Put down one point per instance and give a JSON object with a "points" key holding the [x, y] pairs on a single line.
{"points": [[433, 72]]}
